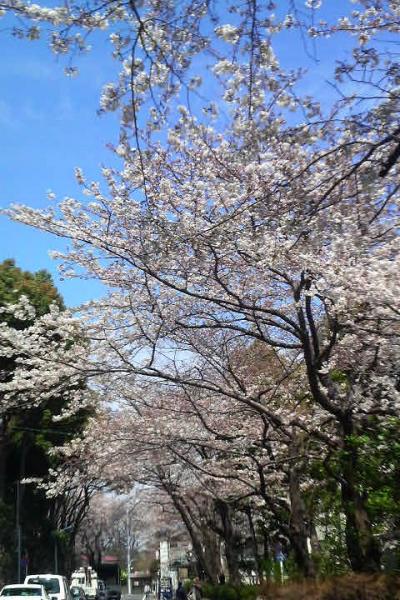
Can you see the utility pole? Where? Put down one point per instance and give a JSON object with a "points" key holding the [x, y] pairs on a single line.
{"points": [[55, 555], [128, 554], [18, 530]]}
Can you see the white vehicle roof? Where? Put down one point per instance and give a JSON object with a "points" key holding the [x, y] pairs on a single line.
{"points": [[24, 590], [48, 580], [22, 585], [43, 575]]}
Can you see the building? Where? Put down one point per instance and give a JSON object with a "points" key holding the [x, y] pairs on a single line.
{"points": [[176, 560]]}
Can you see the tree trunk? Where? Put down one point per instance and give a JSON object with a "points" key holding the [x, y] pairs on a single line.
{"points": [[211, 555], [294, 526], [207, 553], [298, 526], [231, 541], [254, 543], [315, 544], [361, 545]]}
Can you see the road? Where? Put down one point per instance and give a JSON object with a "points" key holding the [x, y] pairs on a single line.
{"points": [[136, 596]]}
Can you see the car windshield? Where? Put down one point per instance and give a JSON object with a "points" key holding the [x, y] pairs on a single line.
{"points": [[22, 591], [50, 584], [75, 591]]}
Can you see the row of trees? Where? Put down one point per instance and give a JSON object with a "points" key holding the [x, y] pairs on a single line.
{"points": [[115, 523], [250, 245], [233, 477]]}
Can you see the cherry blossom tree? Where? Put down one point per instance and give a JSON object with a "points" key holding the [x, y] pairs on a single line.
{"points": [[209, 458], [35, 419], [47, 340], [264, 217], [105, 527]]}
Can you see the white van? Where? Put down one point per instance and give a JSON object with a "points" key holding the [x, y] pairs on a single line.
{"points": [[55, 585], [86, 578]]}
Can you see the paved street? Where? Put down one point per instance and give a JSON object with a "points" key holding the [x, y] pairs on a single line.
{"points": [[135, 596]]}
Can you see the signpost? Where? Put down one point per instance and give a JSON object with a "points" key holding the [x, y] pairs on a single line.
{"points": [[279, 557]]}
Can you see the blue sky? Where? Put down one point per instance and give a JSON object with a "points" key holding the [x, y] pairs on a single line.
{"points": [[49, 126]]}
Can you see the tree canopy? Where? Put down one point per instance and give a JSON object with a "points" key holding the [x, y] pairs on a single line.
{"points": [[263, 219]]}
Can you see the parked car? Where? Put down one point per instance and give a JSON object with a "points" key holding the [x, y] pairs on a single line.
{"points": [[55, 585], [77, 592], [21, 590]]}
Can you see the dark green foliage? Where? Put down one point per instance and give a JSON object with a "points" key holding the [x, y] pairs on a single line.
{"points": [[38, 287], [248, 592], [230, 592], [376, 445]]}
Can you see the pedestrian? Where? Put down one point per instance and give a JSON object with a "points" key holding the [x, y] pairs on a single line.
{"points": [[195, 592], [180, 592], [147, 592]]}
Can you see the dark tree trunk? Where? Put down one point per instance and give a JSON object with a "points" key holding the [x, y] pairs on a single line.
{"points": [[231, 540], [211, 555], [205, 544], [293, 525], [362, 548], [258, 559], [315, 544], [69, 559], [299, 521]]}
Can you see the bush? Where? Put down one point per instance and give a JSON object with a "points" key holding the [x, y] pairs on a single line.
{"points": [[230, 592], [227, 592], [187, 585], [220, 592], [348, 587], [363, 587], [208, 591], [248, 592]]}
